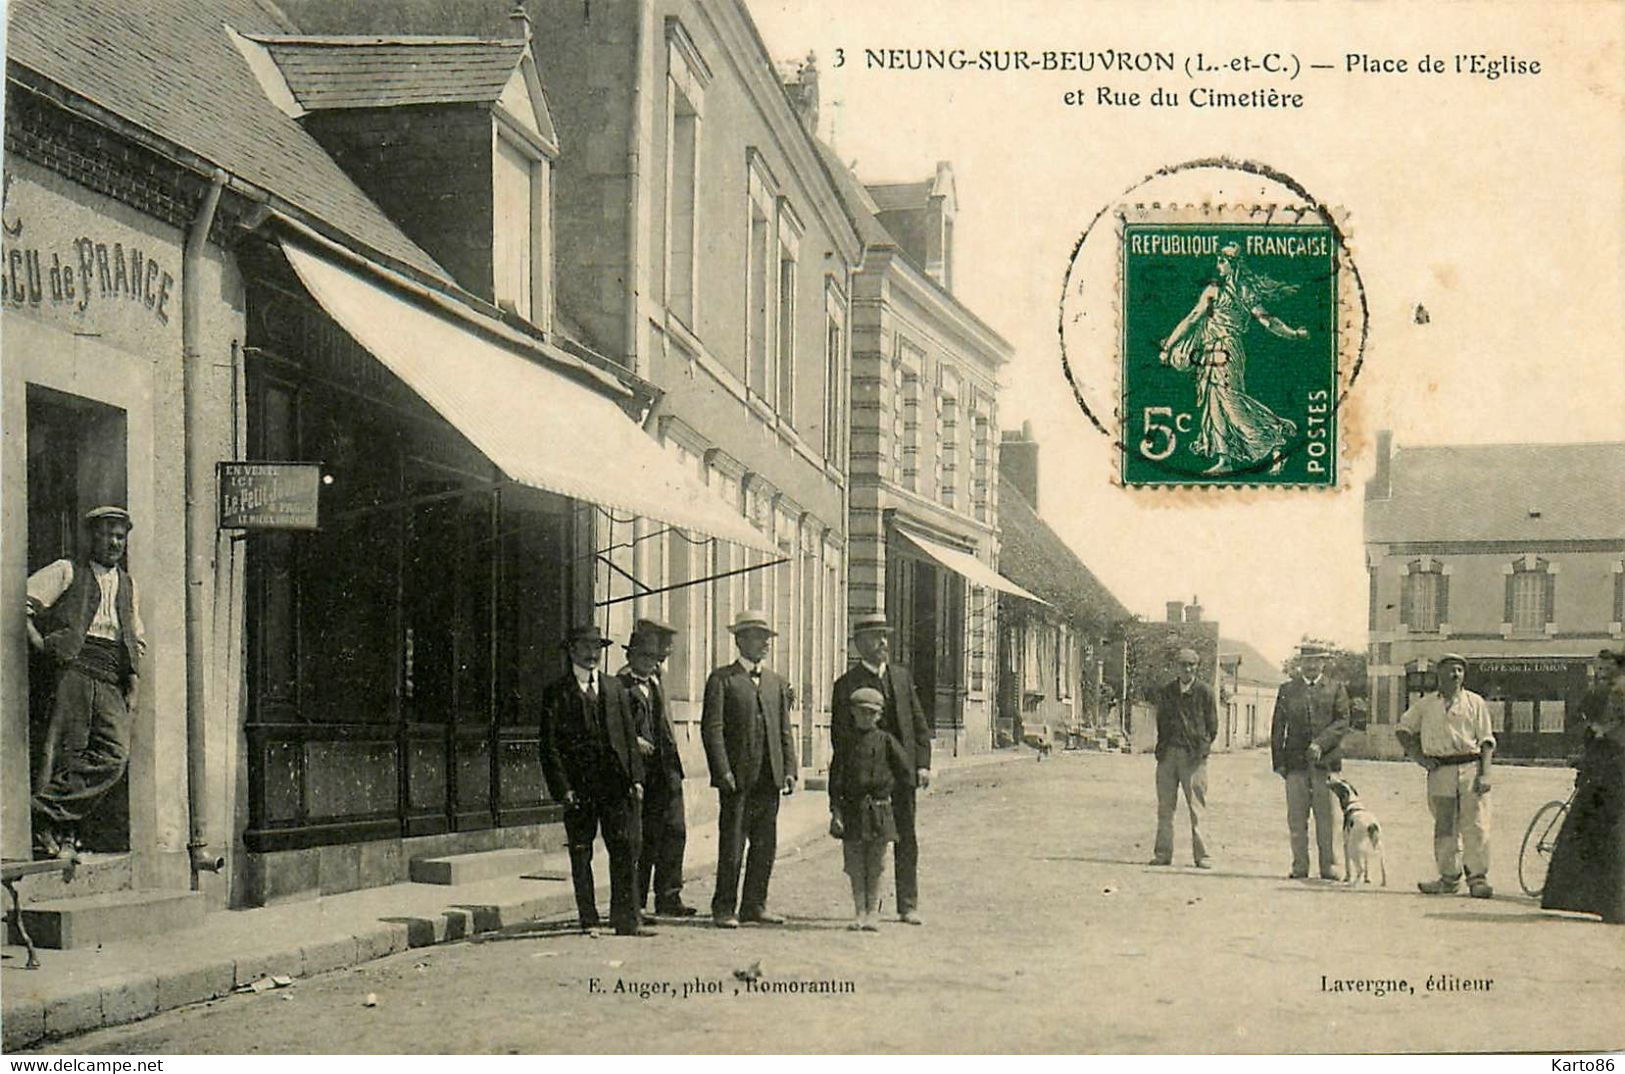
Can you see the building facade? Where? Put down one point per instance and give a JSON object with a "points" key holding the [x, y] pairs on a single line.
{"points": [[1247, 686], [1512, 555]]}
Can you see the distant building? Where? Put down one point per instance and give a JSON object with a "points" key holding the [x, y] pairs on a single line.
{"points": [[1053, 652], [1512, 555], [1247, 685]]}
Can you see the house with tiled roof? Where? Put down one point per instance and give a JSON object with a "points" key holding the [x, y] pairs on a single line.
{"points": [[290, 299], [1512, 555], [1248, 681]]}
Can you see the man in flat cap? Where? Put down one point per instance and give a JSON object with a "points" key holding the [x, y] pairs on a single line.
{"points": [[83, 616], [752, 756], [1187, 723], [592, 764], [664, 832], [1449, 733], [1306, 735], [904, 718]]}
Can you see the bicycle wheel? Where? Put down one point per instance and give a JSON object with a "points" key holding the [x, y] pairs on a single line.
{"points": [[1535, 856]]}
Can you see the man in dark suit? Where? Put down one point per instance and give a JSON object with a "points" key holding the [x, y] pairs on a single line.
{"points": [[1187, 723], [905, 719], [751, 752], [592, 764], [1306, 734], [665, 834]]}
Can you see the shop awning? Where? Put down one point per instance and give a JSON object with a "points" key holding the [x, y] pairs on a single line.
{"points": [[968, 566], [536, 425]]}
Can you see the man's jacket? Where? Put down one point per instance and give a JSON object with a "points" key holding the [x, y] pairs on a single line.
{"points": [[1188, 718], [1306, 713]]}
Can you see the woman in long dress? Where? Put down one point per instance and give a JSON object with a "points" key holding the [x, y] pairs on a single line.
{"points": [[1588, 861], [1235, 430]]}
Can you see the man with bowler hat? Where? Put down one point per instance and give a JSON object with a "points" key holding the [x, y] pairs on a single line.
{"points": [[751, 753], [1187, 723], [904, 718], [83, 617], [592, 764], [664, 832], [1306, 735]]}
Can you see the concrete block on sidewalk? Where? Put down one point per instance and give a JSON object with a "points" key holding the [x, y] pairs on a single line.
{"points": [[118, 915], [331, 953], [473, 868], [129, 999], [380, 940], [75, 1012], [22, 1025], [178, 986], [287, 962]]}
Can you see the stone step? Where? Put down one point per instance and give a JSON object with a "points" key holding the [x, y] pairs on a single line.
{"points": [[116, 915], [473, 868], [95, 874]]}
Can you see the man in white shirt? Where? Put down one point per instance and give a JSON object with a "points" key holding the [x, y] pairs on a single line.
{"points": [[83, 616], [1450, 735]]}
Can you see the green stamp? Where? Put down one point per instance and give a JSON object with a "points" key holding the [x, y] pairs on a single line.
{"points": [[1229, 354]]}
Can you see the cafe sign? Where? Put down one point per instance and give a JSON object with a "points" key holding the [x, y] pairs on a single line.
{"points": [[269, 495]]}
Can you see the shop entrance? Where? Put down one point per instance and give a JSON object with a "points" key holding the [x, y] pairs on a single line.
{"points": [[77, 459]]}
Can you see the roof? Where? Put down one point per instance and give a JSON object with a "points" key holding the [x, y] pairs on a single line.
{"points": [[1036, 558], [169, 66], [377, 72], [1502, 492], [1254, 666], [889, 196]]}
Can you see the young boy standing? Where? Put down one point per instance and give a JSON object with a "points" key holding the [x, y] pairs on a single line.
{"points": [[861, 778]]}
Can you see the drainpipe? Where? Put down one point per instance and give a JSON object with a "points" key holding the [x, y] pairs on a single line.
{"points": [[197, 552]]}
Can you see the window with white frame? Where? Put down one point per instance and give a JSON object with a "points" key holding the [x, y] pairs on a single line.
{"points": [[761, 272], [522, 230], [1427, 595], [834, 376], [686, 79], [789, 251], [1530, 595]]}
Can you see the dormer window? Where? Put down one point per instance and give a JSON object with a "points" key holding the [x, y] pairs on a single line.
{"points": [[521, 241]]}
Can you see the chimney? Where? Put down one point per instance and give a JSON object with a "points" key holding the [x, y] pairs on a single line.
{"points": [[1381, 485], [1176, 611], [1193, 610], [521, 21], [1018, 462], [803, 93]]}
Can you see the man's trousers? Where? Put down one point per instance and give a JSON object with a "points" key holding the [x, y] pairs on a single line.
{"points": [[87, 745], [1461, 822], [621, 825], [665, 835], [906, 853], [746, 816], [1306, 793], [1180, 768]]}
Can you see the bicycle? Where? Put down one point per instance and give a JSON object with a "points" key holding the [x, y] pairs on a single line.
{"points": [[1535, 856]]}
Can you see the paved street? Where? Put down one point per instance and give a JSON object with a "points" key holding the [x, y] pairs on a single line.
{"points": [[1045, 932]]}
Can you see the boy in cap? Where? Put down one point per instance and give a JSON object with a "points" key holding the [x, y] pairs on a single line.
{"points": [[1449, 734], [84, 618], [862, 776]]}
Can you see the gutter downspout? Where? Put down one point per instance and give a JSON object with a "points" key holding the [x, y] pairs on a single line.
{"points": [[197, 565], [638, 126]]}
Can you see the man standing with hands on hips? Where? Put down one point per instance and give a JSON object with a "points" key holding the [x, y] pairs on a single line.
{"points": [[1306, 735], [1448, 732], [752, 756], [902, 717]]}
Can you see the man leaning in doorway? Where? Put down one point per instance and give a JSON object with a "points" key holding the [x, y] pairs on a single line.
{"points": [[84, 617], [904, 718], [1187, 723], [1306, 736], [665, 834], [1448, 732]]}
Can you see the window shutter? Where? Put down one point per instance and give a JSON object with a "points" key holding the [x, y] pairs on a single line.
{"points": [[1551, 595], [1407, 594], [1507, 618], [1444, 597], [1619, 598]]}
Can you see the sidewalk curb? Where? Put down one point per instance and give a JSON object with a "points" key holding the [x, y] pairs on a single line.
{"points": [[82, 1006]]}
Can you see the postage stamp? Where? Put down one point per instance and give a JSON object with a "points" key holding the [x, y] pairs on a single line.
{"points": [[1229, 349]]}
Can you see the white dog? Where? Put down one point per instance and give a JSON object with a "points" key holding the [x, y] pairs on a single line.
{"points": [[1362, 835]]}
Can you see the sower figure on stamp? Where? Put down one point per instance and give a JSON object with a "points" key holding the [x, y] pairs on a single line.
{"points": [[83, 616], [1306, 736], [592, 764], [1449, 734], [1187, 723], [665, 835], [904, 718], [751, 753]]}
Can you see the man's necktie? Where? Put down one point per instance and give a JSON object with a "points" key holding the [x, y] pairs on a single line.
{"points": [[590, 697]]}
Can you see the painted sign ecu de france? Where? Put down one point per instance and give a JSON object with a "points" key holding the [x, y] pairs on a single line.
{"points": [[269, 495]]}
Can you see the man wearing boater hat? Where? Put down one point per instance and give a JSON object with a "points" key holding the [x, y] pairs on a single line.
{"points": [[1306, 735], [83, 616], [1449, 734], [752, 755], [904, 718], [592, 764]]}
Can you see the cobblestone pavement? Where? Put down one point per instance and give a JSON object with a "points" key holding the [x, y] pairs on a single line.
{"points": [[1045, 932]]}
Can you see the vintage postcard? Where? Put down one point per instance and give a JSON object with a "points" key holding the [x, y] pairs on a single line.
{"points": [[790, 527]]}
